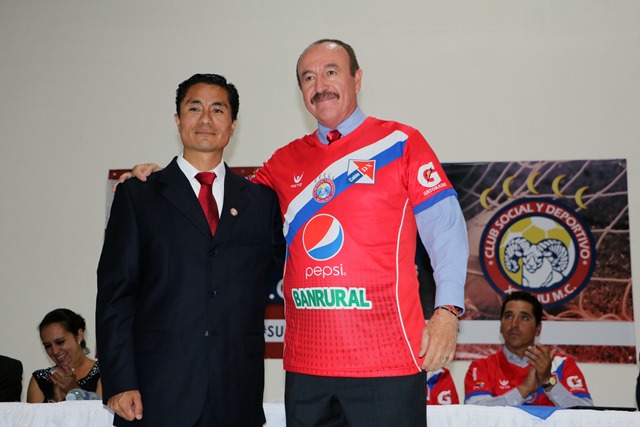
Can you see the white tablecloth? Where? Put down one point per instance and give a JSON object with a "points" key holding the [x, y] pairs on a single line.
{"points": [[93, 413], [500, 416]]}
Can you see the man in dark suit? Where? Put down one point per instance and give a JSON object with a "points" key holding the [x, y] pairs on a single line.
{"points": [[10, 379], [180, 306]]}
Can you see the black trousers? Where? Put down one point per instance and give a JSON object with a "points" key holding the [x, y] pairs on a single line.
{"points": [[314, 401]]}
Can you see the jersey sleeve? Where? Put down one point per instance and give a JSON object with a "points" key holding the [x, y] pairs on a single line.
{"points": [[262, 175], [570, 376], [427, 182]]}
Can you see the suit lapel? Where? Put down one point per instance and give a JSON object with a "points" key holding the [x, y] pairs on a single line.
{"points": [[175, 187], [235, 202]]}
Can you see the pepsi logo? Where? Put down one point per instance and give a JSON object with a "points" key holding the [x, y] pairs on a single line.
{"points": [[322, 237]]}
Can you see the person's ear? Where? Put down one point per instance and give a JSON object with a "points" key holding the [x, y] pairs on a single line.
{"points": [[233, 127], [358, 78]]}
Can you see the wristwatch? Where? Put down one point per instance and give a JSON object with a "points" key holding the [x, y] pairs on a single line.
{"points": [[552, 381]]}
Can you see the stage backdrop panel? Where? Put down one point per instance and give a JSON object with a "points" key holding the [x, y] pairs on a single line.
{"points": [[557, 229]]}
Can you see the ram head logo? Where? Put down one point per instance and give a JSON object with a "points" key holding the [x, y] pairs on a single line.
{"points": [[543, 264]]}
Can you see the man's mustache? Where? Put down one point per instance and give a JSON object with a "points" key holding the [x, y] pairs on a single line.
{"points": [[321, 96]]}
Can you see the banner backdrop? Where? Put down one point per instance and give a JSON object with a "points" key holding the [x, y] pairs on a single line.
{"points": [[556, 229], [559, 230]]}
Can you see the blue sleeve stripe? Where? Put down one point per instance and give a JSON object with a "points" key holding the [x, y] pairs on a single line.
{"points": [[582, 394], [477, 393], [433, 200]]}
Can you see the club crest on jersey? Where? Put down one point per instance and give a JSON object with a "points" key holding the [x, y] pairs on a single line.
{"points": [[322, 237], [324, 189], [361, 172], [539, 246]]}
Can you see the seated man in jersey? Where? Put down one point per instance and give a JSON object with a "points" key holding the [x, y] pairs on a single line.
{"points": [[441, 390], [525, 373]]}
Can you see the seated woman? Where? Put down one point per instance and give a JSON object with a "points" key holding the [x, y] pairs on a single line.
{"points": [[62, 334]]}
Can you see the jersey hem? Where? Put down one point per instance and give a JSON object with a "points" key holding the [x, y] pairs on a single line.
{"points": [[355, 373]]}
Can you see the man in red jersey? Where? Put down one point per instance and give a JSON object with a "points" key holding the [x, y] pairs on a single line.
{"points": [[525, 373]]}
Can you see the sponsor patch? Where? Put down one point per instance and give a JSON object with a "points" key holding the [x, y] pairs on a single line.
{"points": [[331, 298], [361, 172], [297, 180], [428, 176], [322, 237]]}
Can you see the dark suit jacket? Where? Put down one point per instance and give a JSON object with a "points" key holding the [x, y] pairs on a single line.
{"points": [[179, 314], [10, 379]]}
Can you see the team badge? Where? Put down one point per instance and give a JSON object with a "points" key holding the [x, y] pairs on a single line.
{"points": [[324, 190], [538, 246], [361, 172], [322, 237]]}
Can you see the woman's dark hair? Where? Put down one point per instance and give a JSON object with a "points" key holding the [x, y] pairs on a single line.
{"points": [[70, 321]]}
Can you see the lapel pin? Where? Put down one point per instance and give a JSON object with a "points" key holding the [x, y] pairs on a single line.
{"points": [[233, 211]]}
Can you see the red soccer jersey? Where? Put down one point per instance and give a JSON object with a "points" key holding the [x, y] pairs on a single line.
{"points": [[495, 375], [350, 285]]}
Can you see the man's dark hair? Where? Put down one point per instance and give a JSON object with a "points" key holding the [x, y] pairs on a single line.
{"points": [[210, 79], [70, 321], [527, 297], [353, 61]]}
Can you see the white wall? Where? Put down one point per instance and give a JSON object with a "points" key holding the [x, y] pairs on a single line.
{"points": [[89, 86]]}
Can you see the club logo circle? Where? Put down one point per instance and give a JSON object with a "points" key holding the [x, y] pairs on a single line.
{"points": [[538, 246]]}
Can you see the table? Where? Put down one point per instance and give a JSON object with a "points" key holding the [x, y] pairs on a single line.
{"points": [[93, 413]]}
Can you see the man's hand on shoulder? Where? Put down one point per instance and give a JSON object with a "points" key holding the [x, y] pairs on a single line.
{"points": [[127, 404], [141, 171]]}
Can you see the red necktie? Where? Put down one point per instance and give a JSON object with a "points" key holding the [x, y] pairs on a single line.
{"points": [[205, 197], [334, 134]]}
